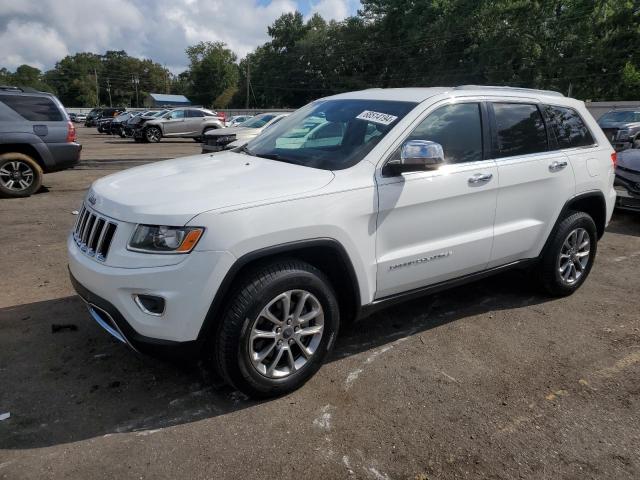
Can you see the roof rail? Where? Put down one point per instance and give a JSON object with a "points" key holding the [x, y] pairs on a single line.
{"points": [[11, 88], [511, 89]]}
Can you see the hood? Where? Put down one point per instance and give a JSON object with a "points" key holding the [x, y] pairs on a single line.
{"points": [[239, 132], [629, 159], [619, 124], [171, 192]]}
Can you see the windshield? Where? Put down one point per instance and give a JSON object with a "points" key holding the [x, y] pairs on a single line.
{"points": [[330, 134], [621, 117], [258, 121]]}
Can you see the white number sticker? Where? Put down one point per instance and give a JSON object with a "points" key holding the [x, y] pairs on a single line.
{"points": [[377, 117]]}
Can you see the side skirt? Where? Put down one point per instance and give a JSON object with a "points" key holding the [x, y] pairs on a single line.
{"points": [[385, 302]]}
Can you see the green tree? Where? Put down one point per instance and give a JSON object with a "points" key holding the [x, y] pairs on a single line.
{"points": [[212, 70]]}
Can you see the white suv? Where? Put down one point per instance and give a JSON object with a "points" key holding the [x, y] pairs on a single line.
{"points": [[255, 256]]}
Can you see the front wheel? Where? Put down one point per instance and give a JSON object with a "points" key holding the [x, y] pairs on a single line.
{"points": [[152, 134], [570, 254], [278, 328], [20, 175]]}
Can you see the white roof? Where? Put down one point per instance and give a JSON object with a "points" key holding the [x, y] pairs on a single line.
{"points": [[419, 94]]}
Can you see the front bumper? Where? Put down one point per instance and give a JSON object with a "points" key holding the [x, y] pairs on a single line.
{"points": [[628, 191], [188, 288]]}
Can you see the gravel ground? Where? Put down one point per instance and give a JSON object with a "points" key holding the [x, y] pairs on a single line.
{"points": [[490, 380]]}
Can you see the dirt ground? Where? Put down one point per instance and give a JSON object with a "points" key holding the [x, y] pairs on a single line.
{"points": [[490, 380]]}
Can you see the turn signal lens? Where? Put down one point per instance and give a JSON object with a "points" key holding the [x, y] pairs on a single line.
{"points": [[189, 241]]}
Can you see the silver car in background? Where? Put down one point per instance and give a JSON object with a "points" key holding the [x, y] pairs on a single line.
{"points": [[233, 137]]}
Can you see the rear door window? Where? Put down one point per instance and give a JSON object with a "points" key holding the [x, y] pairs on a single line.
{"points": [[34, 109], [195, 113], [568, 127], [520, 129]]}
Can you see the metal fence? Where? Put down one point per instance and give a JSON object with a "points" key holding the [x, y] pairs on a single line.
{"points": [[597, 109]]}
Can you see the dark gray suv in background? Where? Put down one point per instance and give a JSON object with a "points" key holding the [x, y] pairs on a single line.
{"points": [[36, 137]]}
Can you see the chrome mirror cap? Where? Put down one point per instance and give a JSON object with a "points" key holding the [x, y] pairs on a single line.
{"points": [[423, 154]]}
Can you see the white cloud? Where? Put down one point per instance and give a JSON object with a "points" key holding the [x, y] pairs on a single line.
{"points": [[334, 9], [39, 32], [19, 48]]}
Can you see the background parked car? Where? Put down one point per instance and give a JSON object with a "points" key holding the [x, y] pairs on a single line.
{"points": [[36, 137], [137, 122], [622, 127], [236, 120], [234, 137], [627, 181], [179, 123], [80, 118], [92, 117]]}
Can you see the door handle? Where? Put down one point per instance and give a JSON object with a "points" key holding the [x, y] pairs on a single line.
{"points": [[556, 166], [480, 178]]}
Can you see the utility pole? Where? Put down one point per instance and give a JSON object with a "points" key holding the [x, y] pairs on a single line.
{"points": [[109, 92], [248, 82], [136, 80], [95, 73]]}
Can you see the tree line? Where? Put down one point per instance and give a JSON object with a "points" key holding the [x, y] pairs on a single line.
{"points": [[584, 48]]}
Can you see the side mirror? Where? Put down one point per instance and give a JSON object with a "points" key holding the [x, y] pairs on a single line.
{"points": [[417, 156]]}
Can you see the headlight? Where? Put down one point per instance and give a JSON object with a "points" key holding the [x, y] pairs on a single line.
{"points": [[623, 134], [164, 239]]}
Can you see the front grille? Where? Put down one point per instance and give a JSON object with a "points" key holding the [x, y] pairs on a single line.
{"points": [[93, 234]]}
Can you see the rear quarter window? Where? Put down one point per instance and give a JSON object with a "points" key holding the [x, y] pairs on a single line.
{"points": [[34, 109], [568, 128]]}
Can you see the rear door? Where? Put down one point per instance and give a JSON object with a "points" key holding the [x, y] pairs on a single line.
{"points": [[193, 122], [536, 179]]}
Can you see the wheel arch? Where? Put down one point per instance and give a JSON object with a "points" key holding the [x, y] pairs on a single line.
{"points": [[593, 203], [326, 254], [27, 149]]}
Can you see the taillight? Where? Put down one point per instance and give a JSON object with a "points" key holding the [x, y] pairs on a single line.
{"points": [[71, 132], [614, 158]]}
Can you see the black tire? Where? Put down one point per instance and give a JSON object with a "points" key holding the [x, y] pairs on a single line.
{"points": [[25, 164], [255, 292], [549, 269], [121, 132], [152, 134]]}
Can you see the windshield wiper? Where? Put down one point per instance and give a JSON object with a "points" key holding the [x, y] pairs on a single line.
{"points": [[244, 149]]}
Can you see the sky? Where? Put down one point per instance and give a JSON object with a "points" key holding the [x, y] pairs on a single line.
{"points": [[41, 32]]}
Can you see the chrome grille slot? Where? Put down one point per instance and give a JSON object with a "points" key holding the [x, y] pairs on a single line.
{"points": [[93, 234]]}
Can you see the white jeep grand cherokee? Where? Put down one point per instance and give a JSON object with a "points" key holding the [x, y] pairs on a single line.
{"points": [[256, 255]]}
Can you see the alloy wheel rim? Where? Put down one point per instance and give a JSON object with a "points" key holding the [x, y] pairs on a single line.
{"points": [[574, 256], [286, 334], [152, 134], [16, 176]]}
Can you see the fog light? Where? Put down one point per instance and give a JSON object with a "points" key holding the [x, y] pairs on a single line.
{"points": [[150, 304]]}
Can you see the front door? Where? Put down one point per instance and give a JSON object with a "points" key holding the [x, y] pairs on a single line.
{"points": [[437, 225], [175, 123]]}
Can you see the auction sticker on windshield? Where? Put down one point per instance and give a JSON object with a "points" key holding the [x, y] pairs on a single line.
{"points": [[377, 117]]}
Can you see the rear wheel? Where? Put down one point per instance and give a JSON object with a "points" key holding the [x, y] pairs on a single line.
{"points": [[152, 134], [278, 328], [20, 175], [569, 257]]}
